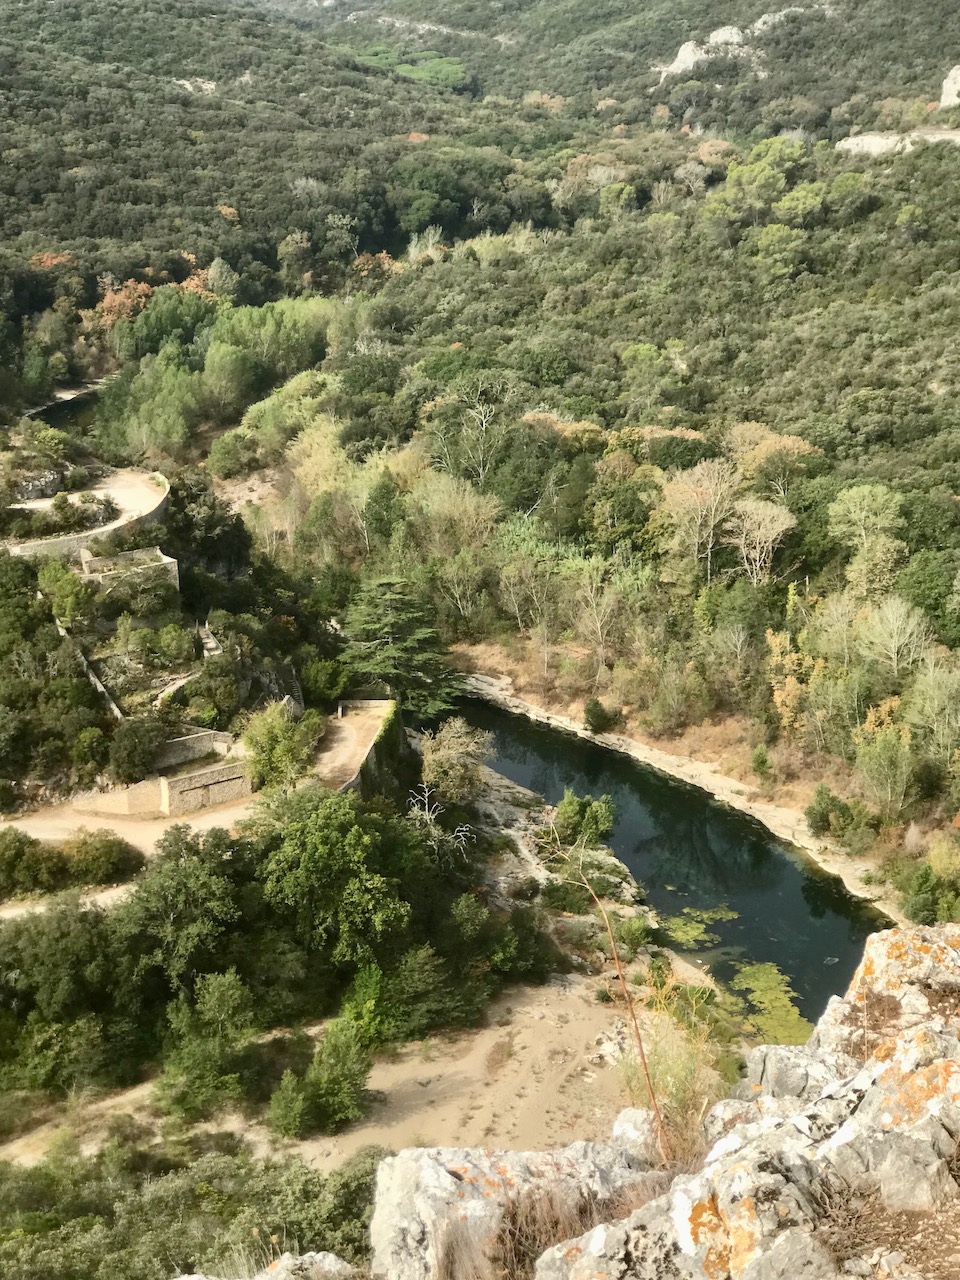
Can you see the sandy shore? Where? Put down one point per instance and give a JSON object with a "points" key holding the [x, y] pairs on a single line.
{"points": [[788, 825], [532, 1078]]}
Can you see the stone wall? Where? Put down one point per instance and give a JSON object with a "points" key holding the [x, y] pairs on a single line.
{"points": [[69, 544], [190, 792], [142, 800], [175, 797], [193, 746], [377, 774]]}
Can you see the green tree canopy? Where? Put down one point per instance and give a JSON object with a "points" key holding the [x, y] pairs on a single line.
{"points": [[391, 641]]}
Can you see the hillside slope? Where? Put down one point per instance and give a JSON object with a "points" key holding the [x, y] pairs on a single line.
{"points": [[810, 65]]}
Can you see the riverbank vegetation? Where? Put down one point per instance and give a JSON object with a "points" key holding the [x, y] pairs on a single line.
{"points": [[582, 445], [485, 336]]}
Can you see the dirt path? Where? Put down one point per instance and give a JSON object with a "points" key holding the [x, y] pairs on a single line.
{"points": [[348, 742], [526, 1080], [136, 493], [344, 748]]}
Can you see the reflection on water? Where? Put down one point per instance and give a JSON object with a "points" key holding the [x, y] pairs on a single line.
{"points": [[691, 852]]}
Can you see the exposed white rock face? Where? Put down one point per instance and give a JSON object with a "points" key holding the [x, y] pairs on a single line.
{"points": [[424, 1193], [733, 40], [882, 144], [871, 1104], [950, 93], [308, 1266]]}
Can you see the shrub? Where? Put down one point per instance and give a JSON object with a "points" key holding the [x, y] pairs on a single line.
{"points": [[134, 748], [827, 812], [335, 1082], [286, 1114], [28, 865], [583, 820], [760, 763], [596, 717], [632, 933], [101, 857], [561, 895], [13, 844]]}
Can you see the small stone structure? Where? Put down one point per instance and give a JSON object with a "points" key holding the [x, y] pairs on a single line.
{"points": [[194, 746], [173, 797], [107, 571]]}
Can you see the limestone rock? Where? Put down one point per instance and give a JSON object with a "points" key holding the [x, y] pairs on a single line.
{"points": [[872, 1103], [950, 93], [794, 1255], [306, 1266], [424, 1194], [635, 1129], [789, 1071]]}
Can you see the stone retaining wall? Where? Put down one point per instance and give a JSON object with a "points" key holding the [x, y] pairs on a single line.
{"points": [[204, 788], [175, 797], [193, 746], [69, 544], [142, 800]]}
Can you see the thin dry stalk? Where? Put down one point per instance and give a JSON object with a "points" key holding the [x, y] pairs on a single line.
{"points": [[662, 1140]]}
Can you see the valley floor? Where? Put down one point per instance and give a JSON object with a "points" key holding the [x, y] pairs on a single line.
{"points": [[532, 1078]]}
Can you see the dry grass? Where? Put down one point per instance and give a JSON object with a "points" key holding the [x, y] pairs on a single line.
{"points": [[532, 1223], [858, 1226], [682, 1062]]}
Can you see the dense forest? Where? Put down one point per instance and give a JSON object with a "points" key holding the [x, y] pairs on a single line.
{"points": [[451, 339], [826, 69]]}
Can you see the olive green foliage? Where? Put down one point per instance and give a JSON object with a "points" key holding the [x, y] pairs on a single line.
{"points": [[390, 641], [932, 890], [597, 717], [453, 760], [583, 821], [47, 708], [136, 1211], [331, 1091], [811, 70], [280, 747], [28, 865], [826, 812], [134, 748], [332, 901]]}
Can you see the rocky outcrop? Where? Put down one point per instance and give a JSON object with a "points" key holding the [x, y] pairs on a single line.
{"points": [[425, 1197], [308, 1266], [869, 1109], [728, 41], [882, 144], [950, 90]]}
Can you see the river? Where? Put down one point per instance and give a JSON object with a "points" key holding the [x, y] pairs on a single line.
{"points": [[690, 852]]}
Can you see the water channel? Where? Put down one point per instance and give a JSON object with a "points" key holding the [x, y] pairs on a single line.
{"points": [[690, 852]]}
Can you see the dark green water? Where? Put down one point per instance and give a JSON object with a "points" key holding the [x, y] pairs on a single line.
{"points": [[689, 851]]}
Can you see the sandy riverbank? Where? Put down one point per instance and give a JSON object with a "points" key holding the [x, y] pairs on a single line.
{"points": [[788, 825], [532, 1078]]}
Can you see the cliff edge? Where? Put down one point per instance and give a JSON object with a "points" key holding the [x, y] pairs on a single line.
{"points": [[833, 1159]]}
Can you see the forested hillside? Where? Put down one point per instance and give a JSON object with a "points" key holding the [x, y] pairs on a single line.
{"points": [[824, 68], [467, 332], [139, 140]]}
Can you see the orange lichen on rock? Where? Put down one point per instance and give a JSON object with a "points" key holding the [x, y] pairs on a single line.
{"points": [[744, 1234], [917, 1091]]}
